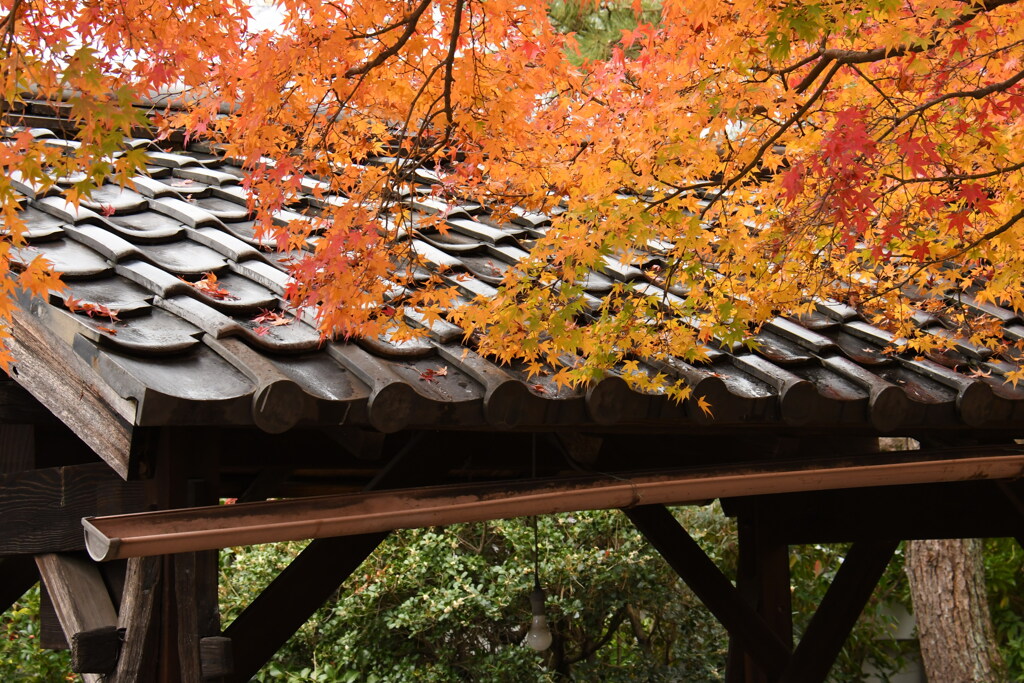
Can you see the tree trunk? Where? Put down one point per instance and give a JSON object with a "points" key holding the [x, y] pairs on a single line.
{"points": [[947, 584]]}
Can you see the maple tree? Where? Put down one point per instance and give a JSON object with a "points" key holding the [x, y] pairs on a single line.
{"points": [[748, 158]]}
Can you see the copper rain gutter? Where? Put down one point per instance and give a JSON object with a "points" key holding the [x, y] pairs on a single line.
{"points": [[207, 528]]}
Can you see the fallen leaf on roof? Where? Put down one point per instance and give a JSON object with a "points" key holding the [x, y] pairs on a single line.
{"points": [[274, 318], [91, 309], [208, 286], [430, 374]]}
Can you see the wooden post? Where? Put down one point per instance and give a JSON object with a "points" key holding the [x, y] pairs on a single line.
{"points": [[139, 619], [762, 578]]}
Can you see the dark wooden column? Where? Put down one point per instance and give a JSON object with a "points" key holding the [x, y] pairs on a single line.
{"points": [[762, 578], [169, 607]]}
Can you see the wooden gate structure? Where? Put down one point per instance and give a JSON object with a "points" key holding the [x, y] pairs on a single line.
{"points": [[139, 401]]}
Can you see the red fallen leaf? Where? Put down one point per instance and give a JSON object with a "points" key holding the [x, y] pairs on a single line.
{"points": [[107, 209], [208, 286], [430, 374], [108, 330], [274, 318], [90, 309], [230, 501], [539, 388], [262, 330]]}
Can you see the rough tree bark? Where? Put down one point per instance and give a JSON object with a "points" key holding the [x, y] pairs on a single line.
{"points": [[947, 584]]}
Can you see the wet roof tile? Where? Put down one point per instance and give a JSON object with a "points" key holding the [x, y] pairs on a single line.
{"points": [[231, 353]]}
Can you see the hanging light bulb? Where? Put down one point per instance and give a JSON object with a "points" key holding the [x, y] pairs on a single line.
{"points": [[539, 635]]}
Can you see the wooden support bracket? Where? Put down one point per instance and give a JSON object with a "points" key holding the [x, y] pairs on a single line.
{"points": [[838, 612], [84, 609], [305, 584], [749, 629], [139, 608]]}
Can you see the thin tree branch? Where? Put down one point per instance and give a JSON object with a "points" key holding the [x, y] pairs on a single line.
{"points": [[410, 27]]}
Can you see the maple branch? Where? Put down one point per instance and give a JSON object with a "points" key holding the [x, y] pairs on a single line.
{"points": [[449, 62], [410, 28], [977, 94], [994, 232], [7, 25], [844, 57], [772, 139], [956, 177], [9, 19]]}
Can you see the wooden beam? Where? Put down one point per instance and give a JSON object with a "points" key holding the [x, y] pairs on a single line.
{"points": [[17, 575], [83, 606], [831, 624], [753, 634], [72, 391], [302, 587], [967, 509], [43, 509], [138, 617], [186, 609], [51, 633], [222, 526]]}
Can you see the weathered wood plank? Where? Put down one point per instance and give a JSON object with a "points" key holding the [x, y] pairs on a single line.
{"points": [[215, 654], [843, 602], [42, 509], [95, 651], [752, 633], [138, 617], [72, 391], [51, 635], [186, 591], [968, 509], [79, 596]]}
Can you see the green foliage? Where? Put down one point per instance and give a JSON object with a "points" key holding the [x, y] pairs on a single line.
{"points": [[1004, 577], [598, 26], [451, 605], [439, 605], [21, 659]]}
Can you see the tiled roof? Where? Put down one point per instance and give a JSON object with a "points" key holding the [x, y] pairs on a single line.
{"points": [[189, 356]]}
